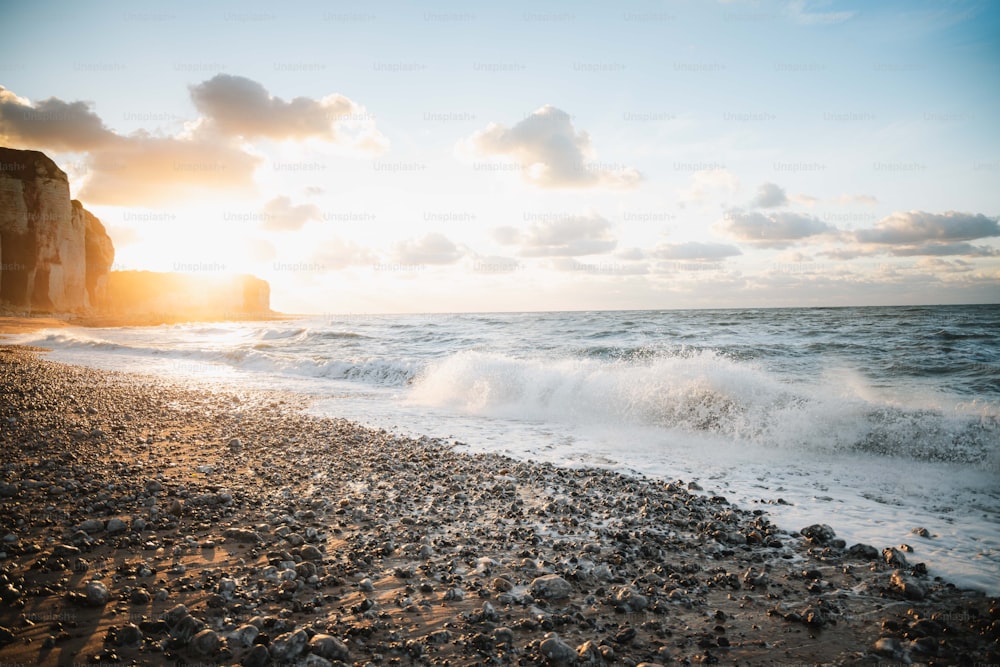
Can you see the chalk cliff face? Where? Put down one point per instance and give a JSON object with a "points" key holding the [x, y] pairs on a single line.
{"points": [[54, 255]]}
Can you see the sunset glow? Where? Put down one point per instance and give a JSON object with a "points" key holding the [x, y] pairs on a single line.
{"points": [[447, 158]]}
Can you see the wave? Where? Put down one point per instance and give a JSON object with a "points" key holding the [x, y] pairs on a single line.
{"points": [[706, 393]]}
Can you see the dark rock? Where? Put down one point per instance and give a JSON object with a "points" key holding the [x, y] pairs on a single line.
{"points": [[863, 552], [550, 586], [818, 533]]}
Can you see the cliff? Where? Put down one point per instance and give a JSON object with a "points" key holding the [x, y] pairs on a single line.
{"points": [[169, 296], [54, 255]]}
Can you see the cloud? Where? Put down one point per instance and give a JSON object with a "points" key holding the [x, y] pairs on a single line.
{"points": [[847, 200], [695, 251], [282, 216], [51, 124], [709, 185], [769, 195], [570, 264], [209, 155], [551, 153], [146, 171], [915, 227], [562, 237], [943, 249], [773, 230], [237, 106], [433, 248], [337, 254]]}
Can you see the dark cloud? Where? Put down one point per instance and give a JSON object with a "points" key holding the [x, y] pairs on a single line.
{"points": [[772, 230], [551, 153], [563, 237], [51, 124], [916, 227], [237, 106], [142, 168], [944, 249]]}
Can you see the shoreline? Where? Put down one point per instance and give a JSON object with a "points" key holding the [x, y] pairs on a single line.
{"points": [[254, 515], [12, 324]]}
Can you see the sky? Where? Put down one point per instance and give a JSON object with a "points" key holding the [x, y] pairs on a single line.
{"points": [[446, 156]]}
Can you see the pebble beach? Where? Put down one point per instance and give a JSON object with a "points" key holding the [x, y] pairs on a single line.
{"points": [[146, 522]]}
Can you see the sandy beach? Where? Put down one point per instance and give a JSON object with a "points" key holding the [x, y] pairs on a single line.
{"points": [[148, 523]]}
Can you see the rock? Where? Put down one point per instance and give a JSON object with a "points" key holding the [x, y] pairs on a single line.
{"points": [[550, 586], [65, 551], [235, 445], [329, 647], [863, 552], [92, 526], [628, 599], [258, 656], [556, 650], [243, 535], [889, 647], [910, 589], [97, 594], [130, 635], [894, 557], [313, 660], [245, 635], [311, 552], [818, 533], [205, 642], [366, 585], [187, 628], [502, 584], [288, 646], [922, 532], [116, 526], [176, 507]]}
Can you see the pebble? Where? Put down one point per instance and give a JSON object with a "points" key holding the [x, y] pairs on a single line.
{"points": [[818, 533], [116, 526], [556, 650], [550, 586], [205, 642], [97, 594], [329, 647]]}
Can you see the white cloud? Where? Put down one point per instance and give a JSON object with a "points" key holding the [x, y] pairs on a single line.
{"points": [[433, 248], [709, 186], [563, 237], [337, 254], [695, 251], [769, 195], [550, 152], [281, 215]]}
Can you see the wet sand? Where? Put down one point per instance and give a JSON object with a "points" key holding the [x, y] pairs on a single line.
{"points": [[144, 522]]}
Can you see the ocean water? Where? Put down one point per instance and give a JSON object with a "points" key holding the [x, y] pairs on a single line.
{"points": [[876, 421]]}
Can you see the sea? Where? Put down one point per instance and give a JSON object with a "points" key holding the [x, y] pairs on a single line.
{"points": [[877, 421]]}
